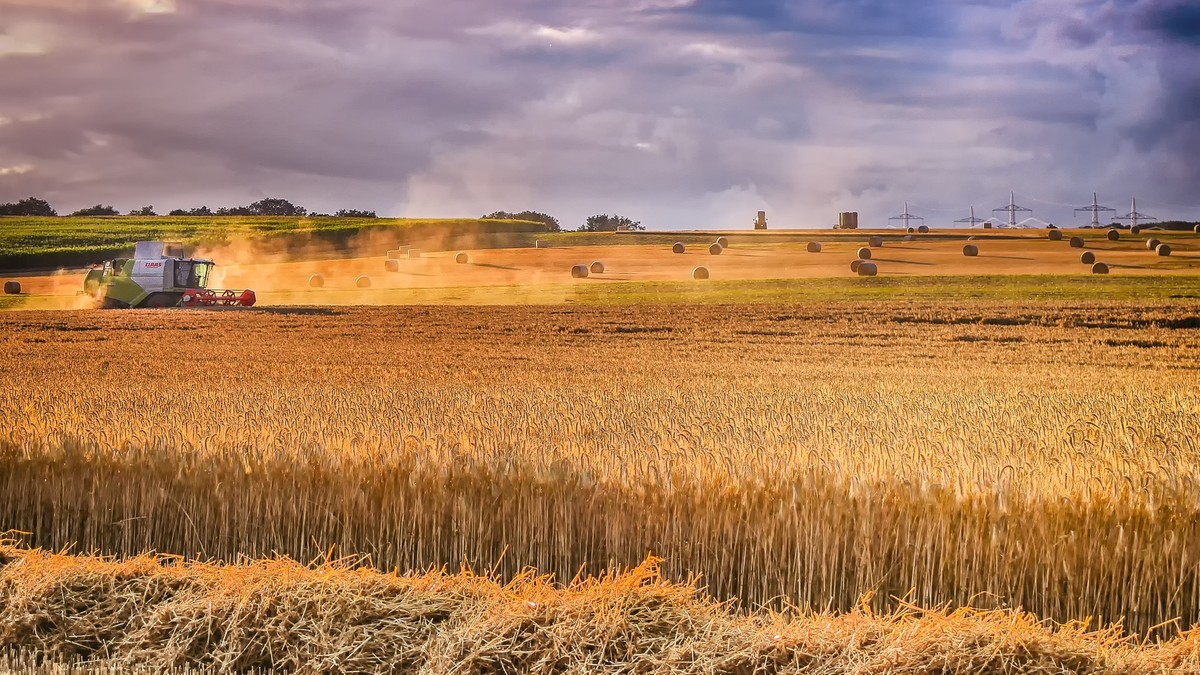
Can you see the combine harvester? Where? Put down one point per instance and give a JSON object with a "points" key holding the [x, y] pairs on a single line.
{"points": [[159, 275]]}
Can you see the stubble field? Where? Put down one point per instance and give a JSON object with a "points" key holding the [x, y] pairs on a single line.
{"points": [[640, 267], [825, 469]]}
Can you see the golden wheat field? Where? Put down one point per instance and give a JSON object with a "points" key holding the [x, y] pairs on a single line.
{"points": [[821, 474]]}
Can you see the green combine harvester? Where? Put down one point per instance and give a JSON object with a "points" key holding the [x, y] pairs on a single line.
{"points": [[159, 275]]}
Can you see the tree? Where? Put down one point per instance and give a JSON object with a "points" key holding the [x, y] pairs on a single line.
{"points": [[97, 210], [31, 206], [607, 223], [549, 221], [178, 212], [276, 207], [354, 213], [264, 207], [144, 211], [200, 211]]}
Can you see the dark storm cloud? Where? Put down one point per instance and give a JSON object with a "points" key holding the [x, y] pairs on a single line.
{"points": [[864, 18], [1177, 21], [1167, 133], [688, 113], [1079, 33]]}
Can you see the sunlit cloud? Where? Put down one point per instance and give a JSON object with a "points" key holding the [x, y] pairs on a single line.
{"points": [[566, 35], [152, 6], [714, 50], [25, 39], [537, 34]]}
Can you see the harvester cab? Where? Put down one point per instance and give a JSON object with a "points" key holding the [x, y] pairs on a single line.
{"points": [[159, 275]]}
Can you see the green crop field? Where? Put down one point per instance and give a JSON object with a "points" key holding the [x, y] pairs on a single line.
{"points": [[28, 243]]}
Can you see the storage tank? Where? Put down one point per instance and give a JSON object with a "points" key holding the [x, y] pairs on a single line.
{"points": [[848, 220]]}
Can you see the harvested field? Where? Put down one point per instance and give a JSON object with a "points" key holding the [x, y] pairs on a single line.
{"points": [[512, 275], [278, 616]]}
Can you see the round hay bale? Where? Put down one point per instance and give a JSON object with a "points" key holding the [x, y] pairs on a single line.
{"points": [[1055, 235], [723, 242], [1099, 268], [867, 269], [678, 247], [972, 238], [12, 288], [1087, 258], [814, 247], [1135, 230], [1196, 229], [923, 229], [700, 273], [1076, 242], [875, 242], [597, 267], [715, 249], [363, 282], [462, 258], [1152, 244], [316, 281], [1163, 250], [1113, 235], [970, 250], [579, 271], [912, 230], [854, 265], [414, 253], [391, 265], [864, 253], [909, 237]]}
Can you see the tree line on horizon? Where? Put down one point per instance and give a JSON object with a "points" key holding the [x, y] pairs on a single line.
{"points": [[274, 206], [598, 223], [34, 206]]}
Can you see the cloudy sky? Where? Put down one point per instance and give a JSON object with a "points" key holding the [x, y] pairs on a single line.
{"points": [[678, 113]]}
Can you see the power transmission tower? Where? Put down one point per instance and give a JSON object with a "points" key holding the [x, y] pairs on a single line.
{"points": [[906, 217], [1133, 216], [1012, 209], [1096, 210], [972, 220]]}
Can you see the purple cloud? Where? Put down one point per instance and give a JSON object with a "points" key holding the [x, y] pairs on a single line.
{"points": [[678, 113]]}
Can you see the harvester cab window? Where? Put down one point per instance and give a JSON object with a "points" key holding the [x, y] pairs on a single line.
{"points": [[191, 274], [200, 275], [183, 274]]}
